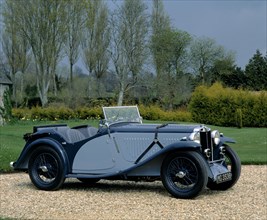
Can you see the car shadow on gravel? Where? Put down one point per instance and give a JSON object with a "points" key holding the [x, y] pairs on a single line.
{"points": [[115, 186], [129, 186], [104, 186], [120, 187]]}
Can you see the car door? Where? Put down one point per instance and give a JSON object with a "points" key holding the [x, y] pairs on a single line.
{"points": [[95, 156]]}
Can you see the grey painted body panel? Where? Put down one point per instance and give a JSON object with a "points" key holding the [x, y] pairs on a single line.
{"points": [[119, 150]]}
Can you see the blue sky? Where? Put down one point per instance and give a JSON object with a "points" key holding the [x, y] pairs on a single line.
{"points": [[238, 25]]}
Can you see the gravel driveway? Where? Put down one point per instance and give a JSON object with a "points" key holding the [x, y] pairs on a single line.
{"points": [[130, 200]]}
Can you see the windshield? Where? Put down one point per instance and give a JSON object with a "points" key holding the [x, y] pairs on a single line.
{"points": [[122, 114]]}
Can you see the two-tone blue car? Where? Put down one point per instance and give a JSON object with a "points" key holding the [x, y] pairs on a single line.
{"points": [[186, 158]]}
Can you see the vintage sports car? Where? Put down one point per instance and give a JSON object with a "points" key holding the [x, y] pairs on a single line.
{"points": [[186, 158]]}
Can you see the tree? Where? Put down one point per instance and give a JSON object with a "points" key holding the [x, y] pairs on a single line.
{"points": [[256, 72], [3, 64], [42, 23], [96, 42], [74, 33], [170, 53], [235, 78], [15, 47], [160, 23], [224, 70], [159, 20], [204, 53], [129, 44]]}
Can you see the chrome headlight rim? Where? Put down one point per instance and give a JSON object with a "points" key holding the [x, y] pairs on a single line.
{"points": [[195, 136], [215, 135]]}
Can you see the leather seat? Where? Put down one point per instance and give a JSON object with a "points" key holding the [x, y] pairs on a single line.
{"points": [[74, 135]]}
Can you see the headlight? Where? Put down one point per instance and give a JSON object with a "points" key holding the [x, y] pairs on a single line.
{"points": [[215, 135], [195, 136]]}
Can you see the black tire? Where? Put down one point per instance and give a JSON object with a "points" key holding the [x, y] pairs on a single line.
{"points": [[233, 164], [46, 169], [184, 174], [88, 181]]}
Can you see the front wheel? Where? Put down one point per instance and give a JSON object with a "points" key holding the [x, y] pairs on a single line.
{"points": [[46, 169], [233, 164], [184, 174]]}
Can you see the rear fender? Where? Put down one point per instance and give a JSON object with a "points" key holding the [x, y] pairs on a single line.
{"points": [[23, 160]]}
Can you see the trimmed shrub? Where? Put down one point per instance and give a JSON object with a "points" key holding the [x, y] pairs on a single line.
{"points": [[228, 107], [239, 120], [89, 113], [22, 113], [85, 113], [56, 113], [156, 113]]}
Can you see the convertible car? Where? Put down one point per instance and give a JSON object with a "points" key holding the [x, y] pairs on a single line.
{"points": [[186, 158]]}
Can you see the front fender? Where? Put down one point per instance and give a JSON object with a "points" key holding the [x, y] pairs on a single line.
{"points": [[227, 140], [152, 165], [23, 160], [182, 146]]}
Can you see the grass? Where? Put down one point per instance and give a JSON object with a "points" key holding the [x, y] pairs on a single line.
{"points": [[251, 143]]}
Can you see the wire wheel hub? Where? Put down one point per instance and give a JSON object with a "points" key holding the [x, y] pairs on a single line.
{"points": [[181, 174]]}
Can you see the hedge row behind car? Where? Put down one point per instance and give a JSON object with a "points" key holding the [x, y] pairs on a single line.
{"points": [[221, 106], [65, 113]]}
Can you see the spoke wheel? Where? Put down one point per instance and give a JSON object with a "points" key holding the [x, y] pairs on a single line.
{"points": [[46, 169], [233, 164], [184, 174]]}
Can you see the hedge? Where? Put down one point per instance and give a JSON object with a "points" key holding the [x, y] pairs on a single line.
{"points": [[228, 107], [156, 113], [56, 113], [64, 113]]}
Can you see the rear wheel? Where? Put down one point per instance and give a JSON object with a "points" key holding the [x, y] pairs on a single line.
{"points": [[184, 174], [233, 164], [46, 169]]}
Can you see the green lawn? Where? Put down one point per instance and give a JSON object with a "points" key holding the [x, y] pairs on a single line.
{"points": [[251, 143]]}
